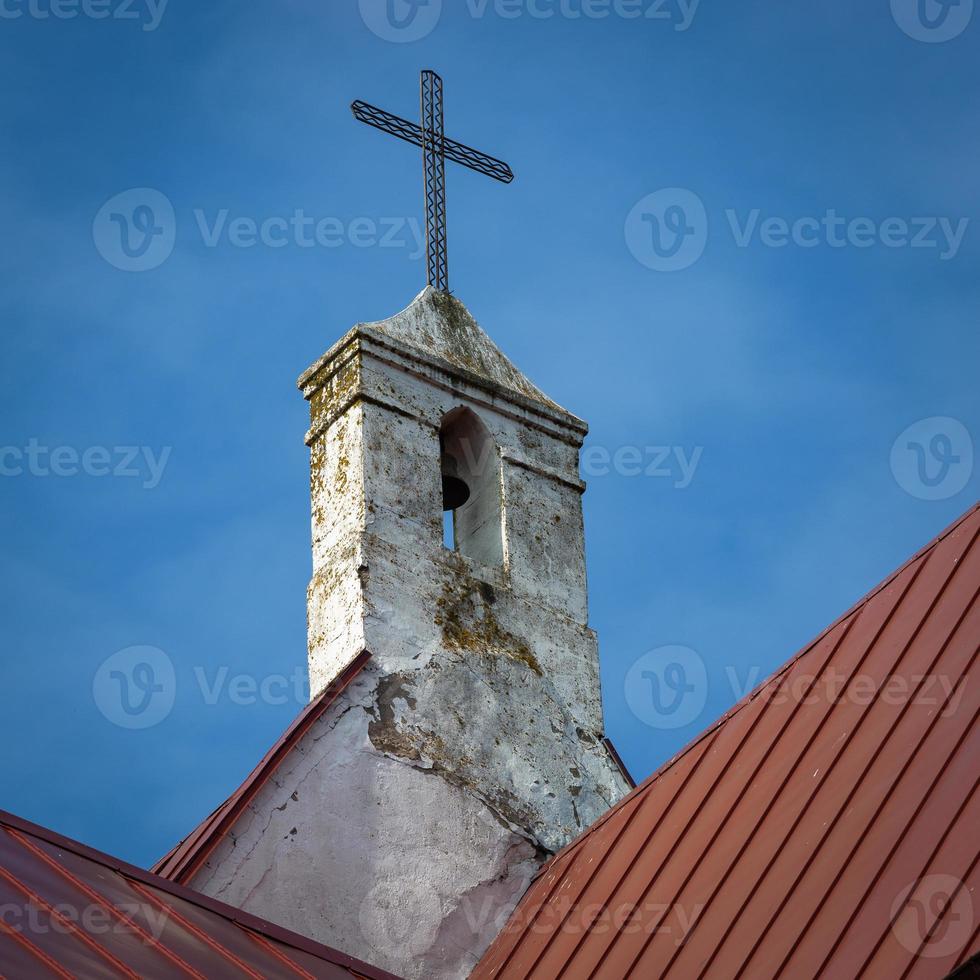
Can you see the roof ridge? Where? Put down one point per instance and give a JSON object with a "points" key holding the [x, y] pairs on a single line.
{"points": [[754, 693]]}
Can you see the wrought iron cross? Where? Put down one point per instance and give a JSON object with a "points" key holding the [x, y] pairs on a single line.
{"points": [[436, 149]]}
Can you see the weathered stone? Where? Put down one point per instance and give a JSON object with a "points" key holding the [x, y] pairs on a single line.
{"points": [[411, 817]]}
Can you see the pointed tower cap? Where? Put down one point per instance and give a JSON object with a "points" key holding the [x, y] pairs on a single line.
{"points": [[441, 328]]}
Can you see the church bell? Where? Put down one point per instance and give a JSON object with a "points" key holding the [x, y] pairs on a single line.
{"points": [[455, 492]]}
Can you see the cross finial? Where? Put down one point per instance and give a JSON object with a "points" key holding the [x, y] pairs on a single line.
{"points": [[436, 149]]}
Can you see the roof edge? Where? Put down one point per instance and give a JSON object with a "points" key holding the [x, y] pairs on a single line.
{"points": [[186, 858], [172, 888], [753, 694]]}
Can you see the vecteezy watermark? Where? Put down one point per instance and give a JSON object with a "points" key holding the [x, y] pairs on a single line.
{"points": [[676, 463], [933, 916], [403, 21], [138, 919], [147, 13], [122, 462], [933, 458], [577, 918], [834, 231], [932, 21], [136, 687], [667, 688], [245, 690], [679, 13], [303, 231], [931, 692], [136, 231], [668, 230]]}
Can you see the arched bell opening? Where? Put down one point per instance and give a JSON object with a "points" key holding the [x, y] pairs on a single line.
{"points": [[471, 491]]}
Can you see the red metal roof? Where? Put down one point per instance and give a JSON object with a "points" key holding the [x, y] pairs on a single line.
{"points": [[69, 911], [826, 826], [183, 862]]}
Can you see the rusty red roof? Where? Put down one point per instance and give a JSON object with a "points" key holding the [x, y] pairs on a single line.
{"points": [[825, 826], [69, 911], [187, 857]]}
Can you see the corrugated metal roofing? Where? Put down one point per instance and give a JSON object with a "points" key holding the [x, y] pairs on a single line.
{"points": [[826, 826], [68, 911], [183, 862]]}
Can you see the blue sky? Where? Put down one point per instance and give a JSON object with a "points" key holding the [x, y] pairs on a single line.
{"points": [[783, 374]]}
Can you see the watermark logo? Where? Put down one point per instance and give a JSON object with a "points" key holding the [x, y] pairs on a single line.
{"points": [[667, 230], [932, 21], [401, 919], [933, 916], [401, 21], [136, 687], [667, 688], [135, 231], [933, 458]]}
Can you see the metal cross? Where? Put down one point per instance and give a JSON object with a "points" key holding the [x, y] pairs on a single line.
{"points": [[436, 149]]}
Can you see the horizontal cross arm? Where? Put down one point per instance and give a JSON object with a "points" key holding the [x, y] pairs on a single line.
{"points": [[411, 133]]}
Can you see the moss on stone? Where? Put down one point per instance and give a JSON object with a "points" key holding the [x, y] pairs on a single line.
{"points": [[468, 623]]}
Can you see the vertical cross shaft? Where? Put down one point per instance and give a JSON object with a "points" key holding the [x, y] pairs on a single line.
{"points": [[436, 149], [434, 165]]}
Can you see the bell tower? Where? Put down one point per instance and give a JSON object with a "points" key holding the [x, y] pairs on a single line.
{"points": [[408, 821], [488, 642]]}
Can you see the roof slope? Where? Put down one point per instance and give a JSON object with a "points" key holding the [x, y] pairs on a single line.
{"points": [[187, 857], [69, 911], [826, 826]]}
